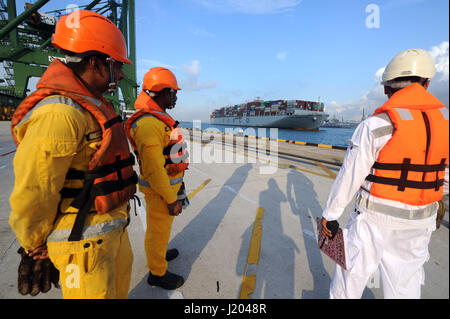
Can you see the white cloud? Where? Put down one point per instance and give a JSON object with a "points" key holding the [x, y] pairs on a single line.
{"points": [[375, 97], [192, 69], [190, 81], [440, 56], [154, 63], [282, 55], [439, 84], [379, 75], [146, 64], [202, 33], [394, 4], [250, 6]]}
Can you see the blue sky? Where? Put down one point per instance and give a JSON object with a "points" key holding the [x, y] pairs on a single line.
{"points": [[232, 51]]}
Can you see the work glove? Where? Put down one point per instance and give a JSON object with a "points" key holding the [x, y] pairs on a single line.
{"points": [[329, 228], [333, 226], [440, 214], [175, 208], [36, 275]]}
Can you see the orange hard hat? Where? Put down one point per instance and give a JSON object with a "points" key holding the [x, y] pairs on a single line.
{"points": [[83, 30], [159, 78]]}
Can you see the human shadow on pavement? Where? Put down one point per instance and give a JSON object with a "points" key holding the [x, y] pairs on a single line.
{"points": [[304, 203], [275, 270], [196, 235]]}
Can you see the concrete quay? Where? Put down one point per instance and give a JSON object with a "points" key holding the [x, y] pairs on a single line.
{"points": [[250, 231]]}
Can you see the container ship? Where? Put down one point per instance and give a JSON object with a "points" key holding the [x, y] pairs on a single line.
{"points": [[288, 114]]}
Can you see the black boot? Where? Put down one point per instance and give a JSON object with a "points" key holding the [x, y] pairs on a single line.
{"points": [[169, 281], [171, 254]]}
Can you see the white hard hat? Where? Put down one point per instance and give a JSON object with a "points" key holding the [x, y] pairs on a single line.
{"points": [[412, 62]]}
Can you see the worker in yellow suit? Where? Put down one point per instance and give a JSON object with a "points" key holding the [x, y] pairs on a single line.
{"points": [[73, 168], [158, 143]]}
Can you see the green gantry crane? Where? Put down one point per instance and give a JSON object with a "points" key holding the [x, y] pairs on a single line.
{"points": [[26, 49]]}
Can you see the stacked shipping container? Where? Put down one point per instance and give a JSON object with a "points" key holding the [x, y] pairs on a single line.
{"points": [[264, 108]]}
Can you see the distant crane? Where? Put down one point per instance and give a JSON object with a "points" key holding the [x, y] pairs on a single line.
{"points": [[26, 49]]}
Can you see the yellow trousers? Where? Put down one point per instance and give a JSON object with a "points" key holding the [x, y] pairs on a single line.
{"points": [[159, 224], [94, 268]]}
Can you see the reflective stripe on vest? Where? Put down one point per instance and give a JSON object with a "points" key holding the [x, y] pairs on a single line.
{"points": [[383, 130], [55, 99], [59, 99], [444, 112], [410, 214], [161, 113], [90, 231], [91, 99], [405, 114], [146, 183], [134, 125]]}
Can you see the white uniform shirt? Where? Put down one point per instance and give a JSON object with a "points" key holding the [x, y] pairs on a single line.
{"points": [[368, 139]]}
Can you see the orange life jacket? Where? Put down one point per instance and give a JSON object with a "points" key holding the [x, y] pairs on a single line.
{"points": [[110, 181], [175, 152], [410, 168]]}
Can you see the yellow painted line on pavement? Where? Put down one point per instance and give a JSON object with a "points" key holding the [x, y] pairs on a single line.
{"points": [[326, 169], [324, 145], [194, 192], [247, 286], [249, 281]]}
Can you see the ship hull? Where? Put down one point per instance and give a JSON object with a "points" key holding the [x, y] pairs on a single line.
{"points": [[309, 121]]}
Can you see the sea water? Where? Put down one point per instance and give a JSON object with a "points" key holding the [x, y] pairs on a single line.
{"points": [[325, 135]]}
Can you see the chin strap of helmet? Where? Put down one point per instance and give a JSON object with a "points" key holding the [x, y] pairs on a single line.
{"points": [[112, 76], [150, 93], [153, 94], [172, 98]]}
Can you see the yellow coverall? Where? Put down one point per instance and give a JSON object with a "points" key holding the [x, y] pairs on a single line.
{"points": [[151, 136], [52, 140]]}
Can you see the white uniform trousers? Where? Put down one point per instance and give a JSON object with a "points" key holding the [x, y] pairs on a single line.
{"points": [[398, 254]]}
